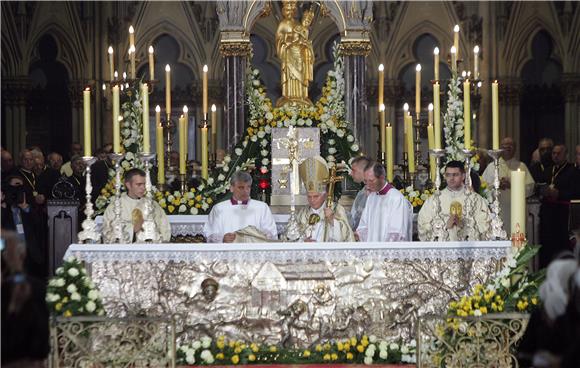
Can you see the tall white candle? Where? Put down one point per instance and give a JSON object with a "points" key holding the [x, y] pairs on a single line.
{"points": [[116, 124], [467, 113], [145, 99], [151, 64], [437, 115], [418, 89], [495, 114], [167, 89], [436, 63], [476, 62], [518, 200], [87, 121], [204, 91], [111, 63], [453, 59], [456, 39]]}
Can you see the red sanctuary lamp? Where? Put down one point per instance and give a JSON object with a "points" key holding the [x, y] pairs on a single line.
{"points": [[264, 182]]}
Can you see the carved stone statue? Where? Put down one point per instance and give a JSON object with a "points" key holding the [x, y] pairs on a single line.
{"points": [[295, 51]]}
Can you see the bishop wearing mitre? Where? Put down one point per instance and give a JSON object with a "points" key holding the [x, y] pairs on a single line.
{"points": [[132, 205], [452, 201], [322, 220]]}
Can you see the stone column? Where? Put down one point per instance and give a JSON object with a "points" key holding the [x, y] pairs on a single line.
{"points": [[75, 90], [571, 93], [15, 96], [509, 114], [356, 100], [235, 56]]}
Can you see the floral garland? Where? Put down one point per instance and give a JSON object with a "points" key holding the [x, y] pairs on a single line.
{"points": [[72, 293], [366, 349], [453, 124], [416, 197]]}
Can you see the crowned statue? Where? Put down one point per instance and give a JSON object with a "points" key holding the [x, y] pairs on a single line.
{"points": [[296, 54]]}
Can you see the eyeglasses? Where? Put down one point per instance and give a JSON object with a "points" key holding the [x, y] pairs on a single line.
{"points": [[452, 175]]}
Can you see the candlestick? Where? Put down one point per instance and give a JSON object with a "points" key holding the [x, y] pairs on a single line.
{"points": [[437, 115], [381, 84], [476, 62], [418, 89], [214, 129], [439, 232], [168, 90], [132, 59], [410, 142], [116, 124], [453, 59], [151, 64], [456, 39], [118, 234], [204, 110], [89, 234], [497, 225], [495, 114], [382, 128], [159, 147], [518, 200], [467, 114], [204, 152], [111, 63], [390, 153], [145, 98], [436, 63], [87, 120], [182, 149], [150, 232], [431, 141], [405, 113]]}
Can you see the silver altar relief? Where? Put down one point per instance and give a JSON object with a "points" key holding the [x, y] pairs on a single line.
{"points": [[296, 300]]}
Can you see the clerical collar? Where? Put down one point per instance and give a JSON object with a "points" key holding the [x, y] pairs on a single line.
{"points": [[235, 202], [385, 189], [456, 193]]}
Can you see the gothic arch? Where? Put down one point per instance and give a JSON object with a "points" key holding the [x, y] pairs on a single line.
{"points": [[11, 48]]}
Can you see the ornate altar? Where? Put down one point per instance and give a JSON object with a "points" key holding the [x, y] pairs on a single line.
{"points": [[294, 294]]}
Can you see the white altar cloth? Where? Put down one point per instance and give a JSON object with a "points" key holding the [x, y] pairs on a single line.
{"points": [[299, 293]]}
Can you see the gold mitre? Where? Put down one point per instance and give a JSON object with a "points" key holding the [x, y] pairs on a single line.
{"points": [[313, 173]]}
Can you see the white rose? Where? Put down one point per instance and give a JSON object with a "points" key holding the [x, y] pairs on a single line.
{"points": [[193, 211], [101, 312], [59, 271], [383, 345], [205, 342], [394, 346], [206, 355], [354, 147], [331, 142], [268, 129], [221, 177], [300, 122], [476, 313], [210, 180], [71, 288], [59, 282], [75, 296], [404, 350], [340, 133], [254, 138], [227, 159], [190, 358], [170, 198], [51, 298], [265, 161], [350, 138], [264, 152], [332, 150], [238, 151], [210, 360], [406, 358], [204, 206], [330, 158], [368, 360], [322, 126], [256, 82], [269, 116], [196, 345], [264, 143], [370, 352], [505, 283], [226, 168], [309, 122], [261, 134], [182, 208], [93, 294], [413, 343], [91, 306], [200, 187], [383, 354], [372, 339], [256, 72]]}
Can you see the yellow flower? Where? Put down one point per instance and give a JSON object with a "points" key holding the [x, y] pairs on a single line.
{"points": [[251, 357], [254, 347], [360, 348], [327, 346], [353, 341], [349, 356], [58, 306], [483, 310], [318, 348], [273, 349], [326, 357], [306, 353], [232, 344], [235, 359], [190, 202], [220, 344], [534, 301], [346, 346], [209, 201], [67, 313], [238, 350], [339, 346], [219, 356], [170, 208], [65, 299], [198, 197], [334, 356]]}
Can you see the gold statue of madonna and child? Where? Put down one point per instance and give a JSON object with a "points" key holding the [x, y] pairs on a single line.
{"points": [[297, 55]]}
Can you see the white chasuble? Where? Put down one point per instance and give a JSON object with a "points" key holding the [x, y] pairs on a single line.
{"points": [[387, 217], [455, 201], [129, 209], [227, 217], [314, 225]]}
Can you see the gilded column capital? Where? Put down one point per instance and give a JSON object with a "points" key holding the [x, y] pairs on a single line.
{"points": [[360, 47], [236, 48]]}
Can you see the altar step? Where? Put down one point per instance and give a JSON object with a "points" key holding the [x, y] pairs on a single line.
{"points": [[310, 366]]}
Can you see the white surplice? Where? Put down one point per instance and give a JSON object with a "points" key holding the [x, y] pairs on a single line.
{"points": [[226, 217], [128, 204], [505, 169], [387, 217], [358, 207], [480, 214]]}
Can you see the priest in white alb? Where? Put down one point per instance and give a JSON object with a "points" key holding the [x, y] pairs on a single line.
{"points": [[132, 208], [452, 211], [322, 220], [507, 164], [388, 215], [240, 219], [358, 166]]}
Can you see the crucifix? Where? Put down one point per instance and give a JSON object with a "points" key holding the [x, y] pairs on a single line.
{"points": [[332, 179]]}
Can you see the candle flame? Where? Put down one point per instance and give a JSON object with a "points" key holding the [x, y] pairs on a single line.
{"points": [[104, 87], [124, 75], [436, 50], [406, 107], [131, 29], [479, 84], [476, 49], [205, 69], [87, 88], [430, 107], [167, 68], [131, 49], [120, 118], [381, 67], [151, 49], [453, 50], [464, 74], [185, 109], [418, 67], [157, 108], [456, 28], [110, 50], [213, 108], [382, 107], [116, 74]]}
